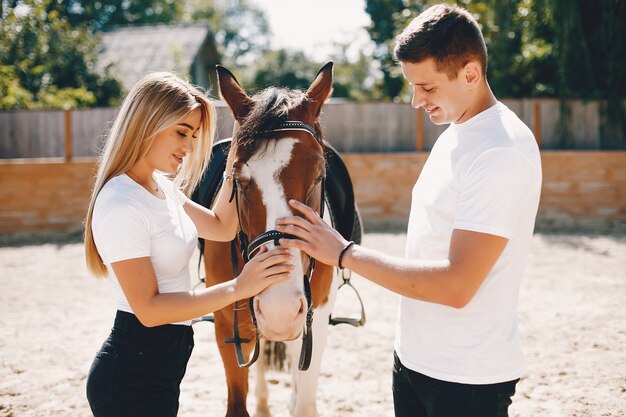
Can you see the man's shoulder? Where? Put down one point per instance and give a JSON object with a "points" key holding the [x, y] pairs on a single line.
{"points": [[502, 129]]}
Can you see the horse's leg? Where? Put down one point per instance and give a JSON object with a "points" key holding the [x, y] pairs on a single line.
{"points": [[217, 271], [303, 402], [236, 377], [261, 391]]}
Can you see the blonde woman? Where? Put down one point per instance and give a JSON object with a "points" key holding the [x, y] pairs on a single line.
{"points": [[142, 229]]}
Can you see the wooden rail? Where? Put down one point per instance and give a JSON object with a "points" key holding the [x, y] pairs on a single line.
{"points": [[537, 122], [419, 130], [68, 134]]}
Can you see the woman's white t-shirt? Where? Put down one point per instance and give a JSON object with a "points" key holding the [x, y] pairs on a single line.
{"points": [[129, 222]]}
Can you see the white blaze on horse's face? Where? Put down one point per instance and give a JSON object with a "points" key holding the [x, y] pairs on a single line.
{"points": [[280, 309]]}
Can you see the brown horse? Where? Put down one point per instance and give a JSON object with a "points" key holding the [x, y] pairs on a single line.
{"points": [[278, 155]]}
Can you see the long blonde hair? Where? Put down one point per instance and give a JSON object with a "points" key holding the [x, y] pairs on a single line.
{"points": [[155, 103]]}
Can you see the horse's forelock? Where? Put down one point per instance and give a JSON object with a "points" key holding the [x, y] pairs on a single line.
{"points": [[270, 106]]}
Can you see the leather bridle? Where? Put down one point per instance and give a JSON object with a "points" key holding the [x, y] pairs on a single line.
{"points": [[247, 250]]}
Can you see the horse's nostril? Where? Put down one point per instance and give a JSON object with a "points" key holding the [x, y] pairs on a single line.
{"points": [[302, 306]]}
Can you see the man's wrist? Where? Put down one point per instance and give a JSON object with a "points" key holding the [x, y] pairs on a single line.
{"points": [[342, 254]]}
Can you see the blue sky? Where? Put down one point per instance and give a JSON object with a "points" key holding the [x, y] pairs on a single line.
{"points": [[313, 25]]}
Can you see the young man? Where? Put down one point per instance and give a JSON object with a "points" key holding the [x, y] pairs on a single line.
{"points": [[457, 349]]}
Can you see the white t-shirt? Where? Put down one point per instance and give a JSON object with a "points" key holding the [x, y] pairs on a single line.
{"points": [[130, 222], [483, 175]]}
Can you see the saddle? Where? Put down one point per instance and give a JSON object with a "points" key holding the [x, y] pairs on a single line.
{"points": [[339, 194]]}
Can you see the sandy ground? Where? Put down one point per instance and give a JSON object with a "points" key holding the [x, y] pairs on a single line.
{"points": [[53, 318]]}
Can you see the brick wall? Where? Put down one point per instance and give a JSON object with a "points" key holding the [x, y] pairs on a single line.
{"points": [[40, 195], [44, 195], [577, 185], [584, 185]]}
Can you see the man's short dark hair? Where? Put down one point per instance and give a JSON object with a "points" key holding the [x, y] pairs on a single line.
{"points": [[448, 34]]}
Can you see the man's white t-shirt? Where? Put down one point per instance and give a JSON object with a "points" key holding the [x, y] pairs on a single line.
{"points": [[129, 222], [483, 175]]}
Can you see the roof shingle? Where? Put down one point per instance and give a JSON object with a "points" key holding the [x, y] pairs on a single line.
{"points": [[138, 50]]}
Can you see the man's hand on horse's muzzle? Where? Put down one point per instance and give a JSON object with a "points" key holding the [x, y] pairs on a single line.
{"points": [[315, 237]]}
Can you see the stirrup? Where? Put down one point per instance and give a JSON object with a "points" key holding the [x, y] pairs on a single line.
{"points": [[333, 321], [204, 318]]}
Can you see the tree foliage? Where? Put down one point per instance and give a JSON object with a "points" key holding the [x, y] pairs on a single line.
{"points": [[557, 48], [49, 48], [102, 15], [387, 17], [537, 48], [293, 69], [240, 28], [48, 63]]}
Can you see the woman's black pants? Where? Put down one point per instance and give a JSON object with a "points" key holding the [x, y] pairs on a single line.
{"points": [[138, 370]]}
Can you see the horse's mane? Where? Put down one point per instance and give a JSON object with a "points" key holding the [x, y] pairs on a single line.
{"points": [[270, 107]]}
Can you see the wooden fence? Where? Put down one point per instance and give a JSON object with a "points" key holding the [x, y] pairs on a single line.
{"points": [[350, 127]]}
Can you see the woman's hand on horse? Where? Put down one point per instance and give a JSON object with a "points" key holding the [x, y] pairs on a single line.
{"points": [[315, 237], [265, 269]]}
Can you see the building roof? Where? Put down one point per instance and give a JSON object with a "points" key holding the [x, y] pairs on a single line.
{"points": [[138, 50]]}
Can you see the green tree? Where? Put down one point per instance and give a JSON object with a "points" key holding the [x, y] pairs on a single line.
{"points": [[101, 15], [240, 28], [284, 68], [555, 48], [293, 69], [51, 60], [354, 79], [536, 47], [12, 94], [387, 17], [590, 49]]}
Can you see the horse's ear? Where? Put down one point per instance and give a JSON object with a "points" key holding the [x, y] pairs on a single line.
{"points": [[233, 94], [321, 88]]}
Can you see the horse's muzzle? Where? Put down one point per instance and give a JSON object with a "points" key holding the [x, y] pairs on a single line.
{"points": [[282, 319]]}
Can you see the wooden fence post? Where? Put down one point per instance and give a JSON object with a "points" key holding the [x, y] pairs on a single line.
{"points": [[419, 133], [68, 134], [537, 121]]}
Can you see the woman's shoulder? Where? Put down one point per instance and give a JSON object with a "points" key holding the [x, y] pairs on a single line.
{"points": [[118, 194]]}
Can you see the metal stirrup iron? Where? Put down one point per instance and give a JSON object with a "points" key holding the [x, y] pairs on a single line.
{"points": [[345, 275]]}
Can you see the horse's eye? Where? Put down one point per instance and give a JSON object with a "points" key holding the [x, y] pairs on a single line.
{"points": [[313, 187], [315, 183]]}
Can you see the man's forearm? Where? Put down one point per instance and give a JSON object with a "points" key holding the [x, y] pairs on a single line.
{"points": [[432, 281]]}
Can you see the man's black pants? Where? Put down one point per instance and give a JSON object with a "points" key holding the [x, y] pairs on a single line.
{"points": [[417, 395]]}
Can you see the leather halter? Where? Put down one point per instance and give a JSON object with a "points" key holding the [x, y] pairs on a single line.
{"points": [[247, 251]]}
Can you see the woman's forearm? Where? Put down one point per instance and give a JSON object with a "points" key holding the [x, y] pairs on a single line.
{"points": [[182, 306]]}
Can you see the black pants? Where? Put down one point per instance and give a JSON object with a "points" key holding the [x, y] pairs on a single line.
{"points": [[416, 395], [138, 370]]}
